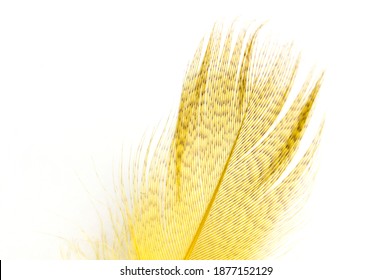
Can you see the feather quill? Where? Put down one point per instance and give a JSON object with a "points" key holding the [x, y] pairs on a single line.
{"points": [[218, 183]]}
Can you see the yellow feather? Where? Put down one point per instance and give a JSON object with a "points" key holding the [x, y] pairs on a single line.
{"points": [[218, 183]]}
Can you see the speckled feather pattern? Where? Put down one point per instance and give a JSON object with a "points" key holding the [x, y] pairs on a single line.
{"points": [[212, 188]]}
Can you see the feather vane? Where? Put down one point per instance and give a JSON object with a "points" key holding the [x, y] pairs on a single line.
{"points": [[215, 185]]}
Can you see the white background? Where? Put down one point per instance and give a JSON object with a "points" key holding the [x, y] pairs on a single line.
{"points": [[79, 79]]}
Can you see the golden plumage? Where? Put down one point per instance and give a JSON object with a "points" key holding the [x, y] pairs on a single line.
{"points": [[218, 184]]}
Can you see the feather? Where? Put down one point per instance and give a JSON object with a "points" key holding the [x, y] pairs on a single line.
{"points": [[218, 183]]}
